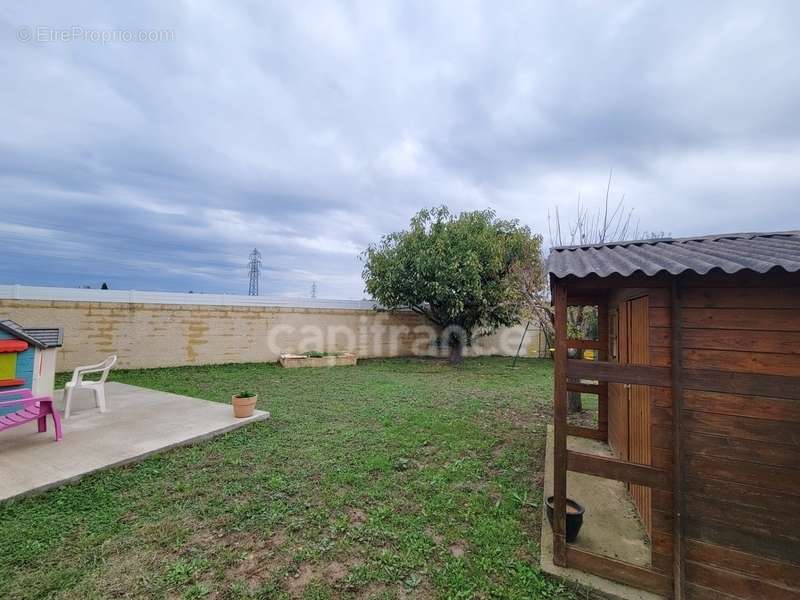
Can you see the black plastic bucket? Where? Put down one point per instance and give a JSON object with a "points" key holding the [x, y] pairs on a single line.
{"points": [[574, 517]]}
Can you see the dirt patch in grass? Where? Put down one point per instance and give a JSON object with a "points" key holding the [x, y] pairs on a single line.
{"points": [[336, 571], [373, 591], [458, 550], [123, 572], [437, 538], [298, 582], [428, 450], [525, 419], [584, 418], [332, 573], [497, 449], [260, 557], [356, 516]]}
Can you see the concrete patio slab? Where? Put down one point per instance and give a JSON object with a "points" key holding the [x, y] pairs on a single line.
{"points": [[611, 526], [139, 422]]}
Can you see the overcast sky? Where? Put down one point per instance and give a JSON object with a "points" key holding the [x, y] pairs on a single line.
{"points": [[309, 130]]}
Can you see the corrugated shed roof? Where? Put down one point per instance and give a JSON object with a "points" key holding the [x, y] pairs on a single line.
{"points": [[43, 337], [731, 253]]}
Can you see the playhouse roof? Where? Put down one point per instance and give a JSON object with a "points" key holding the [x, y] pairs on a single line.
{"points": [[41, 337], [730, 253]]}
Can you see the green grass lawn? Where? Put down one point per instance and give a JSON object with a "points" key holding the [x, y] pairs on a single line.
{"points": [[397, 478]]}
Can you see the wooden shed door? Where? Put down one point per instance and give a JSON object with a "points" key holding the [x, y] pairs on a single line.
{"points": [[639, 431]]}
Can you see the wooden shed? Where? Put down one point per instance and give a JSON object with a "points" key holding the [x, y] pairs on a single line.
{"points": [[697, 378]]}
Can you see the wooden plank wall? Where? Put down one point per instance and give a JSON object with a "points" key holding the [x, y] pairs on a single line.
{"points": [[661, 529], [617, 394], [742, 450], [640, 447]]}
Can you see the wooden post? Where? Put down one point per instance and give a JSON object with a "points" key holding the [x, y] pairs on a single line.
{"points": [[560, 427], [602, 397], [678, 503]]}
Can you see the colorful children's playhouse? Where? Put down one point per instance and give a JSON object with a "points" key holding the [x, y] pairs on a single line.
{"points": [[28, 357]]}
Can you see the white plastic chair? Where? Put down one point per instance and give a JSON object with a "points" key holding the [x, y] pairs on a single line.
{"points": [[97, 386]]}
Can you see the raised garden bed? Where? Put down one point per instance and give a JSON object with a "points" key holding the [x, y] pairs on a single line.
{"points": [[318, 359]]}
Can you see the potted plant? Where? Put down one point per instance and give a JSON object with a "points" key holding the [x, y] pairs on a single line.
{"points": [[243, 404], [574, 517]]}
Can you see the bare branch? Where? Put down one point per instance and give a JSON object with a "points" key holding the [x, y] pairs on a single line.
{"points": [[600, 226], [605, 207]]}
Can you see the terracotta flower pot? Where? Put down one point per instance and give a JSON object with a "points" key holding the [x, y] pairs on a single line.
{"points": [[243, 407]]}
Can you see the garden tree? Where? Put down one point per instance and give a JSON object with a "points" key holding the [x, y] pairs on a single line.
{"points": [[531, 280], [536, 308], [456, 271]]}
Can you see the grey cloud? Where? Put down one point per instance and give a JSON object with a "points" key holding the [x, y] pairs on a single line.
{"points": [[309, 129]]}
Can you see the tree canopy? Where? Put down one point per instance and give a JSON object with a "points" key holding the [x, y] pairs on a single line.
{"points": [[458, 271]]}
